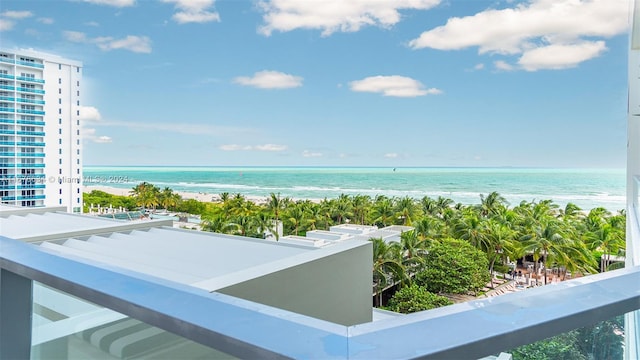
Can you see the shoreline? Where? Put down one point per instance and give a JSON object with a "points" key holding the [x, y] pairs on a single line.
{"points": [[186, 195]]}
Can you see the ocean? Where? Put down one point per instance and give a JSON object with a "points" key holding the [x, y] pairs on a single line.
{"points": [[587, 188]]}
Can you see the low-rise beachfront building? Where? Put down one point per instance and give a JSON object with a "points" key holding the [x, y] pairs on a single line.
{"points": [[40, 140]]}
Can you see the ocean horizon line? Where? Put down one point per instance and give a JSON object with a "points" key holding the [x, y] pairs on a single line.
{"points": [[351, 167]]}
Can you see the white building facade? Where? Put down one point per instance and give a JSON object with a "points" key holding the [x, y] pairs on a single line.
{"points": [[40, 142]]}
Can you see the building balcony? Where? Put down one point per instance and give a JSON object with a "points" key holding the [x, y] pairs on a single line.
{"points": [[7, 76], [7, 87], [7, 60], [28, 90], [7, 109], [30, 79], [30, 122], [29, 64], [7, 132], [31, 133], [30, 101], [7, 154], [29, 176], [21, 165], [24, 197], [22, 187], [30, 154], [9, 143], [27, 143], [6, 98], [32, 112], [7, 121]]}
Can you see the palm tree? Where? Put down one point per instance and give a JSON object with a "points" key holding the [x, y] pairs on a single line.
{"points": [[275, 206], [146, 195], [406, 209], [169, 199], [342, 208], [295, 216], [387, 266], [607, 238], [491, 204], [361, 205], [498, 242], [382, 211], [545, 239]]}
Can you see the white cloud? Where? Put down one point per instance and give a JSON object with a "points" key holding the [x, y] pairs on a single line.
{"points": [[271, 147], [89, 113], [330, 16], [137, 44], [560, 56], [308, 153], [6, 25], [89, 134], [270, 80], [479, 66], [395, 85], [193, 11], [16, 14], [235, 147], [391, 155], [265, 147], [115, 3], [102, 139], [46, 21], [75, 36], [92, 23], [502, 65], [560, 26]]}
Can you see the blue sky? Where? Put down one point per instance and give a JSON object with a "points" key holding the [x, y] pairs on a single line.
{"points": [[540, 83]]}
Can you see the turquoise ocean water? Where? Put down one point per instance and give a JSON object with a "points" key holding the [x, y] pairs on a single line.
{"points": [[587, 188]]}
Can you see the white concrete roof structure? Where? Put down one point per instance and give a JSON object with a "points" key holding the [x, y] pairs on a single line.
{"points": [[296, 273], [50, 223]]}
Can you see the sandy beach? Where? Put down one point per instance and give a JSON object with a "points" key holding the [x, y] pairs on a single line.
{"points": [[204, 197]]}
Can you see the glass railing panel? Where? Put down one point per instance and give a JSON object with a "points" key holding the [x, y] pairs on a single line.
{"points": [[5, 60], [6, 87], [30, 64], [35, 91], [6, 76], [7, 98], [66, 327], [31, 101], [30, 79], [7, 109], [603, 340]]}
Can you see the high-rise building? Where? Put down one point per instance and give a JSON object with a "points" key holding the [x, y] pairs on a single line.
{"points": [[40, 144]]}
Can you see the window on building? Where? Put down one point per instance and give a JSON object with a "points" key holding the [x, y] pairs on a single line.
{"points": [[60, 201], [59, 66], [60, 141], [60, 121], [59, 80], [60, 161], [60, 191], [60, 151], [59, 111], [59, 131], [59, 91], [59, 101]]}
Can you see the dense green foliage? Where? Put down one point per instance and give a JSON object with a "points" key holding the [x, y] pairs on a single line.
{"points": [[437, 254], [603, 340], [415, 298], [453, 267], [105, 200]]}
